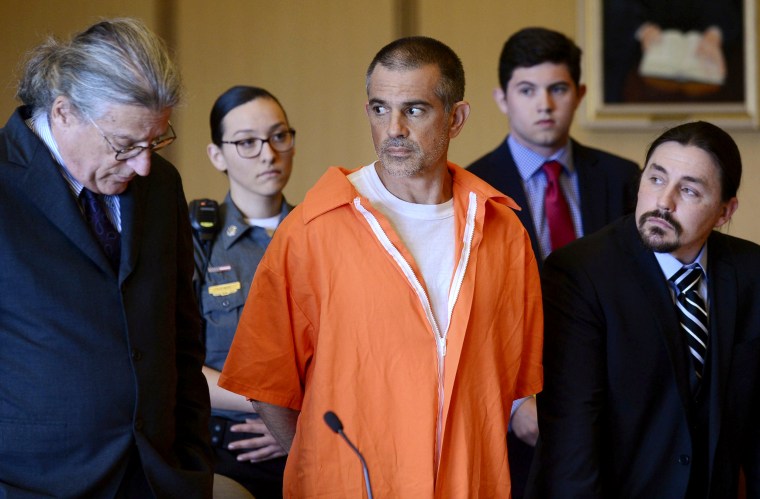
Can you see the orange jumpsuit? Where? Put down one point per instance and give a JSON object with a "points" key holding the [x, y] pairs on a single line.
{"points": [[338, 319]]}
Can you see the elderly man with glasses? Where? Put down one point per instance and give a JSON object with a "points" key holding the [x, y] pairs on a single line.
{"points": [[102, 393]]}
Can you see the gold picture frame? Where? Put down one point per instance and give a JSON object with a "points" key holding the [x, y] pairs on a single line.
{"points": [[600, 111]]}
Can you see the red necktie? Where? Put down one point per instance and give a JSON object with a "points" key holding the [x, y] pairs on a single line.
{"points": [[561, 228]]}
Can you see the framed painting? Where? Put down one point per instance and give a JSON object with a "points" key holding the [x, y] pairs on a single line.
{"points": [[652, 63]]}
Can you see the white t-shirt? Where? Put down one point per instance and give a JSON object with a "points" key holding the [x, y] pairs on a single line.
{"points": [[427, 230], [269, 224]]}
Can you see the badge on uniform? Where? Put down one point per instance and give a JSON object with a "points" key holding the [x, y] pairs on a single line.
{"points": [[220, 268], [224, 289]]}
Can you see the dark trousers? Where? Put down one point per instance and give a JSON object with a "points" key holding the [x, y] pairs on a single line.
{"points": [[520, 458], [262, 479]]}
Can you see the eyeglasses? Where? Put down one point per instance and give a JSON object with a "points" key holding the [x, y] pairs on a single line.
{"points": [[251, 147], [134, 151]]}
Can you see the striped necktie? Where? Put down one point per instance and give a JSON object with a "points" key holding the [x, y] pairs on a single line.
{"points": [[692, 314]]}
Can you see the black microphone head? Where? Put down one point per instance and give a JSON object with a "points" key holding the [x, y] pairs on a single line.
{"points": [[333, 422]]}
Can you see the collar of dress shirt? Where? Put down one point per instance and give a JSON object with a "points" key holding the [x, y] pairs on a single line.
{"points": [[530, 162]]}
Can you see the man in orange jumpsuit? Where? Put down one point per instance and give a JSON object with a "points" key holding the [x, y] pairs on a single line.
{"points": [[404, 296]]}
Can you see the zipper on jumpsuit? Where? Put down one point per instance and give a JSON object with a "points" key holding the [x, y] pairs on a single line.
{"points": [[440, 337]]}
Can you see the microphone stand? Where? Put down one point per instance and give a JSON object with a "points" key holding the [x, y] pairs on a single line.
{"points": [[335, 425]]}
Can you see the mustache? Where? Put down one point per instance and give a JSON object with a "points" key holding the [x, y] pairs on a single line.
{"points": [[399, 142], [663, 215]]}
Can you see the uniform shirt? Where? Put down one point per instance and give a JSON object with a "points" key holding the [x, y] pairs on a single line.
{"points": [[235, 254]]}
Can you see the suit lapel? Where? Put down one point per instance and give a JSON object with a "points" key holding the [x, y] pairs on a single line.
{"points": [[723, 305], [132, 223], [43, 182], [511, 184], [591, 189], [654, 291]]}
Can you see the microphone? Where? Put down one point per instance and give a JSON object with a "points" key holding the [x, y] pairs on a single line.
{"points": [[335, 425]]}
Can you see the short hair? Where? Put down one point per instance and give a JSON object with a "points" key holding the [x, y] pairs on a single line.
{"points": [[116, 61], [416, 51], [229, 100], [715, 142], [533, 46]]}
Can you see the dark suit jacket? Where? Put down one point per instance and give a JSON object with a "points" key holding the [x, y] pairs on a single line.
{"points": [[95, 367], [616, 409], [607, 185]]}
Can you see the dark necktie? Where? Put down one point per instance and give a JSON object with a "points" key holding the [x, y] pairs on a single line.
{"points": [[561, 230], [102, 228], [692, 314]]}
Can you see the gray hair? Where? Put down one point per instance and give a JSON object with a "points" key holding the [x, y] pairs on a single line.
{"points": [[116, 61]]}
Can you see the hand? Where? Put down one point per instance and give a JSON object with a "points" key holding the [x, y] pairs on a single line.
{"points": [[525, 422], [710, 51], [648, 34], [264, 447]]}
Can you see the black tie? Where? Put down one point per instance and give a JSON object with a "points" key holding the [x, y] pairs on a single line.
{"points": [[102, 228], [692, 313]]}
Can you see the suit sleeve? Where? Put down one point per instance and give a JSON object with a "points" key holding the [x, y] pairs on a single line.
{"points": [[631, 187], [751, 457], [568, 457], [192, 413], [530, 377]]}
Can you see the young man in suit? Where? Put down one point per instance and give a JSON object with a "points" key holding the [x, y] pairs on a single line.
{"points": [[102, 393], [652, 353], [565, 189]]}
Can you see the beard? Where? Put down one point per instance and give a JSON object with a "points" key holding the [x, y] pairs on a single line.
{"points": [[401, 167], [653, 238], [417, 162]]}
